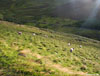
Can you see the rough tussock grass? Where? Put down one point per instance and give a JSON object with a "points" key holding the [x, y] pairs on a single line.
{"points": [[28, 55]]}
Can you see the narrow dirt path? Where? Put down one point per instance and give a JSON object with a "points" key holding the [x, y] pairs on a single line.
{"points": [[65, 69], [49, 63], [58, 66]]}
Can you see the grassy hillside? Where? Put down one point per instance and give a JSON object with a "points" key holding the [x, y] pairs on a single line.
{"points": [[45, 54], [68, 26], [22, 11], [44, 14]]}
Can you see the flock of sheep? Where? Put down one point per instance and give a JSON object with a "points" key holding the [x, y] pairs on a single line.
{"points": [[69, 44], [72, 49]]}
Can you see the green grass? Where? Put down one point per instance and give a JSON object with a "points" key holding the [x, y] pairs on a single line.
{"points": [[67, 26], [42, 14], [45, 54]]}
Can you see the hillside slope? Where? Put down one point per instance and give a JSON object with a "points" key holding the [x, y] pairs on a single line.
{"points": [[24, 10], [53, 14], [21, 11], [40, 52]]}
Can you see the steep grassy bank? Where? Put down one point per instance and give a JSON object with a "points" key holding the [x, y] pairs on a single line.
{"points": [[45, 54]]}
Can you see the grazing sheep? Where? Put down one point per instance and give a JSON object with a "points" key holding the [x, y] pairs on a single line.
{"points": [[20, 33], [46, 36], [71, 50], [33, 34], [80, 46], [69, 44]]}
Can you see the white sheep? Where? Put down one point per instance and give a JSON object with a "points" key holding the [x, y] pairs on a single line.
{"points": [[33, 34], [72, 49], [80, 46], [69, 44], [20, 33], [46, 36]]}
